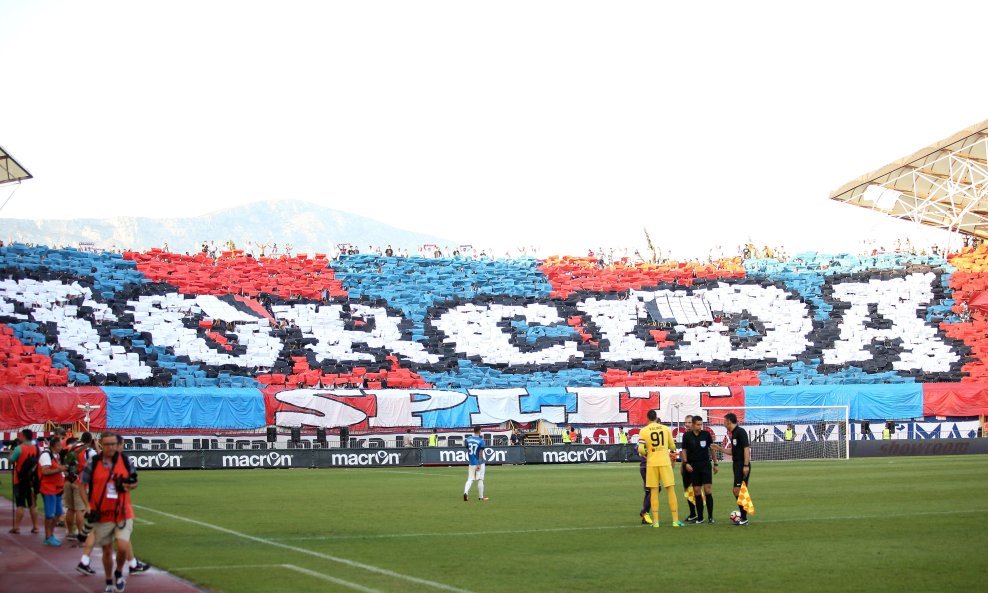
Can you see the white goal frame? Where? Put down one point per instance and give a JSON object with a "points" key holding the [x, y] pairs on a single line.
{"points": [[846, 418]]}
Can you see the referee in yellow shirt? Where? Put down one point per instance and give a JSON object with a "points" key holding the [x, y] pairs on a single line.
{"points": [[655, 443]]}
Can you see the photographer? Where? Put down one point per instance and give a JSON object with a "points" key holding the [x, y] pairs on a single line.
{"points": [[75, 456], [109, 479], [134, 565], [52, 485], [25, 460]]}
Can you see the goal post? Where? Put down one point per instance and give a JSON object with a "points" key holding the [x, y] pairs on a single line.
{"points": [[817, 432]]}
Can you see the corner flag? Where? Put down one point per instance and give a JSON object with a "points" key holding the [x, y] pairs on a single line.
{"points": [[689, 496], [744, 499]]}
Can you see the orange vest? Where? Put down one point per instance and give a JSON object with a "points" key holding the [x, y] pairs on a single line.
{"points": [[51, 483], [80, 454], [27, 452], [100, 491]]}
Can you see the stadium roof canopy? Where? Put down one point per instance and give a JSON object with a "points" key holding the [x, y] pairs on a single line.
{"points": [[11, 170], [944, 185]]}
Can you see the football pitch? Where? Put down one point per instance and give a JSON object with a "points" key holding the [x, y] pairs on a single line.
{"points": [[908, 524]]}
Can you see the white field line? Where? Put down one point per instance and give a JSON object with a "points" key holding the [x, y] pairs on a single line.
{"points": [[425, 474], [337, 559], [455, 534], [609, 527], [225, 567], [292, 567], [143, 521], [325, 577]]}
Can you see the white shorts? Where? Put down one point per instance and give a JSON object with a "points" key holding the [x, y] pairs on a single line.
{"points": [[476, 472]]}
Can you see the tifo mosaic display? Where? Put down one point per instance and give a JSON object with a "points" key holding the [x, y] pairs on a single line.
{"points": [[365, 322]]}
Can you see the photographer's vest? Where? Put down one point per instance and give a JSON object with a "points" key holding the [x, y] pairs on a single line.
{"points": [[433, 440], [80, 454], [27, 452], [113, 505], [622, 438], [886, 434], [790, 433], [50, 483]]}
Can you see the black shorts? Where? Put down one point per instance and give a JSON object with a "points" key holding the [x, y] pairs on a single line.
{"points": [[739, 476], [24, 496], [701, 475]]}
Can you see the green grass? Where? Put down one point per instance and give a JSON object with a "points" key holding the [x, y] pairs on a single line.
{"points": [[910, 524]]}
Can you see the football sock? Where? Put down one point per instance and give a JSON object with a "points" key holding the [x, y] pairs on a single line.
{"points": [[673, 504], [699, 506], [654, 492], [744, 513], [647, 502], [710, 505], [466, 489], [480, 487], [85, 559]]}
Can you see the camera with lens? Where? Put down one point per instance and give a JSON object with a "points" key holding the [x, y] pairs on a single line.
{"points": [[119, 481], [87, 524]]}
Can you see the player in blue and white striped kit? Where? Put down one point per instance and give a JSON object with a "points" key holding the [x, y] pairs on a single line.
{"points": [[475, 451]]}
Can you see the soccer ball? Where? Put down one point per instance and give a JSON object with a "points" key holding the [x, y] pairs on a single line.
{"points": [[735, 516]]}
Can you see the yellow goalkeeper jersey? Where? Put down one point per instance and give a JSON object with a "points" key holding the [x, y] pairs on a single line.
{"points": [[655, 443]]}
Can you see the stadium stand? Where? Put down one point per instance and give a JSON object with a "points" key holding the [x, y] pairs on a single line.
{"points": [[196, 324], [159, 318]]}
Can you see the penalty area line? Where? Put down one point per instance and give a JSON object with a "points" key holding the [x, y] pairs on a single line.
{"points": [[320, 555]]}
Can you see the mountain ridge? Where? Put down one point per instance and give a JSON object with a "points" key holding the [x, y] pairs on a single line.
{"points": [[308, 227]]}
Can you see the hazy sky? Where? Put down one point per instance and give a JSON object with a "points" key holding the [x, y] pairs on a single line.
{"points": [[562, 124]]}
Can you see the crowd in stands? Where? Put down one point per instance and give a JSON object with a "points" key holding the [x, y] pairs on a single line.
{"points": [[602, 256], [275, 273]]}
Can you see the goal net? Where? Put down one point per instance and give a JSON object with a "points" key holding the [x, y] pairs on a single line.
{"points": [[788, 432]]}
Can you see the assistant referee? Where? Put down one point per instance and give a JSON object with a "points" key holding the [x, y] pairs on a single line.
{"points": [[740, 450], [687, 479]]}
